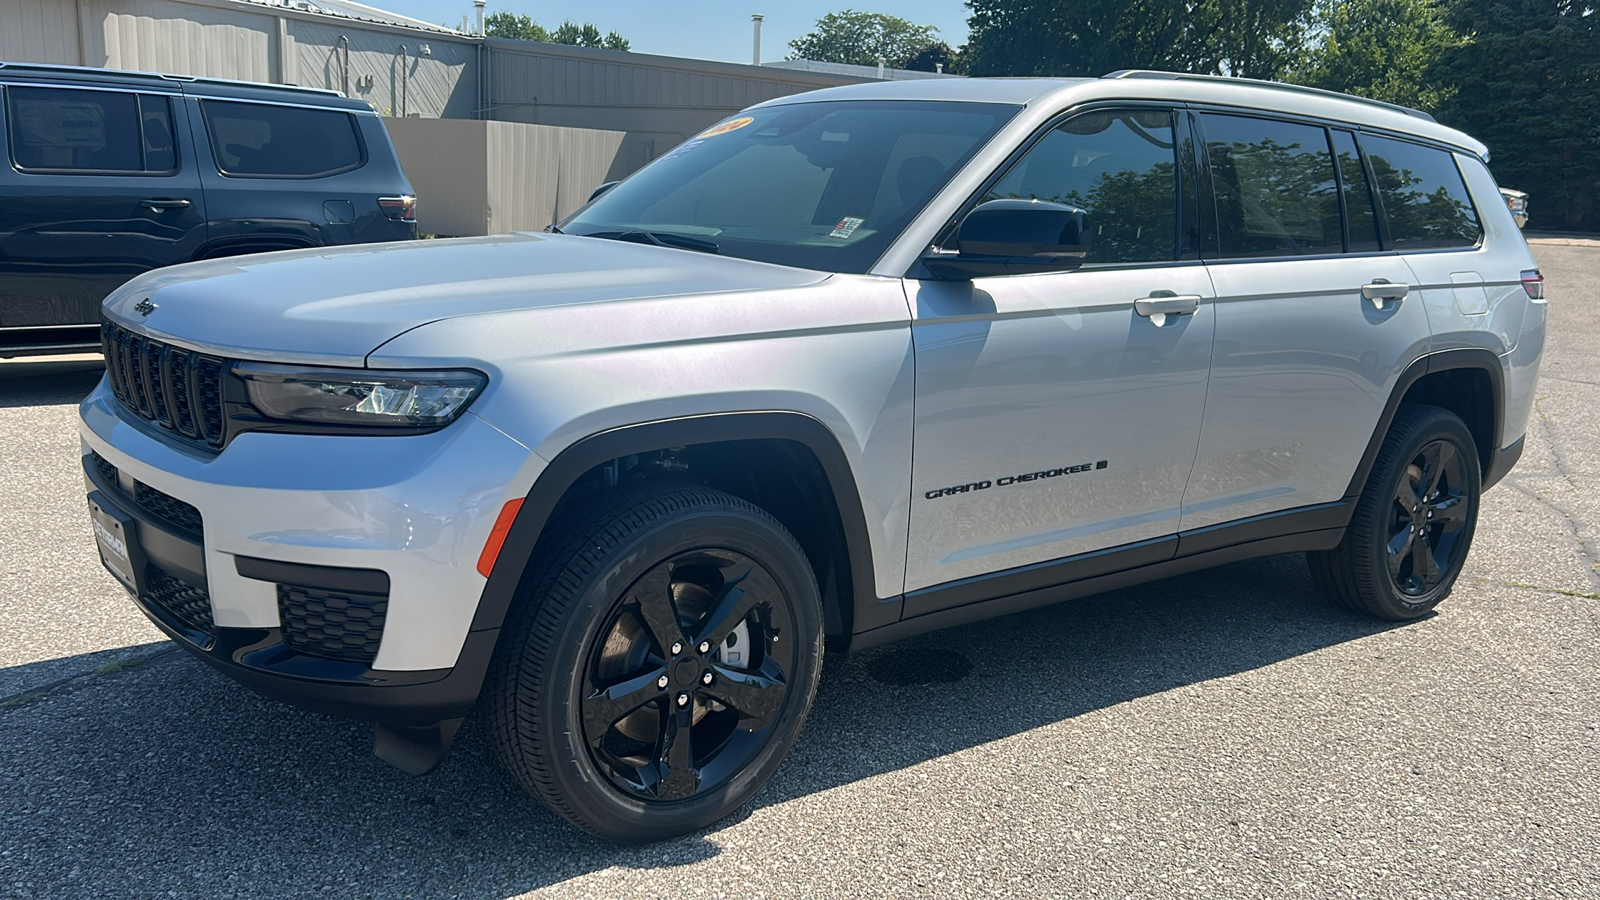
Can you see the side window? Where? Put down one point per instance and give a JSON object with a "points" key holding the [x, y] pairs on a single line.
{"points": [[1357, 194], [71, 131], [281, 141], [1424, 197], [1120, 168], [1276, 191]]}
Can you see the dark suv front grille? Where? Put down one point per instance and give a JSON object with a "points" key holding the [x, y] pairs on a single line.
{"points": [[345, 625], [177, 390]]}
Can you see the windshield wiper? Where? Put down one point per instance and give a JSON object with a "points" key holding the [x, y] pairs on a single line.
{"points": [[660, 239]]}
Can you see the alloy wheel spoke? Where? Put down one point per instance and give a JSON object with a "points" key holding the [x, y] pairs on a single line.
{"points": [[603, 708], [1399, 546], [1438, 456], [731, 608], [677, 777], [1422, 564], [757, 696], [1449, 511], [653, 593]]}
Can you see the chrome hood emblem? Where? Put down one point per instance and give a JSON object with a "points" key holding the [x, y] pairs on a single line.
{"points": [[144, 307]]}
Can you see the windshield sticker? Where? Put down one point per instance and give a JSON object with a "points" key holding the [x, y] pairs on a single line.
{"points": [[683, 148], [846, 227], [725, 127]]}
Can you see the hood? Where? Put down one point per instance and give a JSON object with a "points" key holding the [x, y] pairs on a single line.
{"points": [[335, 305]]}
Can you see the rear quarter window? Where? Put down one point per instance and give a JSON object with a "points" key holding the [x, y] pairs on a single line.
{"points": [[1424, 197], [263, 140]]}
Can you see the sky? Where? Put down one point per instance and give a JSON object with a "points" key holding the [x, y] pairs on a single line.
{"points": [[703, 29]]}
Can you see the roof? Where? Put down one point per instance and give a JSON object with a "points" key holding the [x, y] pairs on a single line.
{"points": [[1242, 93], [346, 9]]}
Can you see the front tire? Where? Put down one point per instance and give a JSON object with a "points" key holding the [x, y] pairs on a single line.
{"points": [[1412, 527], [661, 663]]}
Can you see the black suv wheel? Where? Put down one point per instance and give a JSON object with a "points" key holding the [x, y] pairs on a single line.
{"points": [[661, 664], [1413, 525]]}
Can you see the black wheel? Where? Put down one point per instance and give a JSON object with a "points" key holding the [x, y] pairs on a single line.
{"points": [[660, 664], [1413, 525]]}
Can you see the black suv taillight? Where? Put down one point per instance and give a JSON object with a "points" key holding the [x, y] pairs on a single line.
{"points": [[1533, 283], [402, 208]]}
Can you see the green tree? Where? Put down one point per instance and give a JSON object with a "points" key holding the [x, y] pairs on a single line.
{"points": [[861, 39], [1527, 83], [931, 57], [522, 28], [1380, 49], [1249, 38]]}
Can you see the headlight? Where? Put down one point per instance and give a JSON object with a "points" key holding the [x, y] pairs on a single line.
{"points": [[397, 399]]}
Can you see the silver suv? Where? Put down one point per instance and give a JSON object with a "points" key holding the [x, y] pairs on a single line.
{"points": [[850, 366]]}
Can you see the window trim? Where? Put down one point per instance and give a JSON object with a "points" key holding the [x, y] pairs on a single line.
{"points": [[1383, 210], [1205, 157], [216, 155], [1180, 160], [6, 107]]}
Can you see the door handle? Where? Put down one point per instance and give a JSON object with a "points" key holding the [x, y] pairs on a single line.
{"points": [[1163, 303], [156, 205], [1382, 289]]}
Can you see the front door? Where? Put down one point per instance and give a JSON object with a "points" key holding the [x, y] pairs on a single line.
{"points": [[97, 192], [1053, 417]]}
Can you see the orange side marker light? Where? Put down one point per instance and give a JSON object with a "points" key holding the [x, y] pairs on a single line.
{"points": [[497, 536]]}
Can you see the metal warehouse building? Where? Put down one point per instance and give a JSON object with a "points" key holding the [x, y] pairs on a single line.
{"points": [[540, 124]]}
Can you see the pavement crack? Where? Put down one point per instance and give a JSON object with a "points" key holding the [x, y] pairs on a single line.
{"points": [[57, 687], [1576, 526]]}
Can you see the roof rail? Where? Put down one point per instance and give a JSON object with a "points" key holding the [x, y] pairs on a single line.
{"points": [[1275, 85], [164, 76]]}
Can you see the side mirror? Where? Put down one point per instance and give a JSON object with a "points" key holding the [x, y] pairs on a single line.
{"points": [[1014, 237], [602, 189]]}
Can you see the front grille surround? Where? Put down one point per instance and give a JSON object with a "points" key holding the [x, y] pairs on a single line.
{"points": [[172, 388]]}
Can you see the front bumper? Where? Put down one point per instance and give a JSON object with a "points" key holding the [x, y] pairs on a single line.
{"points": [[224, 536]]}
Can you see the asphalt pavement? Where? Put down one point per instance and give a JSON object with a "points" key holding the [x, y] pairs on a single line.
{"points": [[1221, 734]]}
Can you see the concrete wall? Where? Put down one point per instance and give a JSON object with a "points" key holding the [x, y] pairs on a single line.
{"points": [[475, 177]]}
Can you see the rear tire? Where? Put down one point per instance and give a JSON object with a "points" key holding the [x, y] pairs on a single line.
{"points": [[602, 703], [1413, 524]]}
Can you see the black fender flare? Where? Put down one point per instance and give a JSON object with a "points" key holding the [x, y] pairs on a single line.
{"points": [[1441, 361], [586, 453]]}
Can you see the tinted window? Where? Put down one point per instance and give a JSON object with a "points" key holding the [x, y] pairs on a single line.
{"points": [[258, 139], [818, 185], [1358, 212], [1275, 187], [84, 131], [1423, 195], [1119, 167]]}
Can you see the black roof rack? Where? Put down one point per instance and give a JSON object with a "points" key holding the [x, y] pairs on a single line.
{"points": [[161, 76], [1275, 85]]}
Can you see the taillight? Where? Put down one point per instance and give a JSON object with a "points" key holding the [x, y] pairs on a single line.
{"points": [[401, 209], [1533, 283]]}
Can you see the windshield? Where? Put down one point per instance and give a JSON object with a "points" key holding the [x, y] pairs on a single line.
{"points": [[817, 185]]}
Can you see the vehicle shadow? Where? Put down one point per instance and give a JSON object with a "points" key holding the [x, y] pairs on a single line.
{"points": [[48, 381], [168, 777]]}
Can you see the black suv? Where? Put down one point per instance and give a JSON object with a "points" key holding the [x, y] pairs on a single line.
{"points": [[108, 174]]}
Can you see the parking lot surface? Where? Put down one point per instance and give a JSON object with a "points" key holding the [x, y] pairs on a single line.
{"points": [[1223, 734]]}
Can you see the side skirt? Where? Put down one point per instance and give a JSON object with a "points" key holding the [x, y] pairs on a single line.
{"points": [[1016, 590]]}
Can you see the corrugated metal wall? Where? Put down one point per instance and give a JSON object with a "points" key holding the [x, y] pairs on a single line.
{"points": [[39, 31], [389, 69], [474, 177], [184, 38]]}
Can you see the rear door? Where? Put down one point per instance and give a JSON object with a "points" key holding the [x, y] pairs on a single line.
{"points": [[1315, 320], [97, 191], [1053, 419]]}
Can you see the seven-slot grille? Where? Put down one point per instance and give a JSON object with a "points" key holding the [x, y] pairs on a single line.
{"points": [[176, 389]]}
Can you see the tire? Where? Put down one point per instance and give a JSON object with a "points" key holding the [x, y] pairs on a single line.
{"points": [[575, 702], [1422, 497]]}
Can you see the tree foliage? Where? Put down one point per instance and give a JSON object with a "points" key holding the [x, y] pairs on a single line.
{"points": [[1248, 38], [1527, 83], [505, 24], [1380, 49], [862, 39]]}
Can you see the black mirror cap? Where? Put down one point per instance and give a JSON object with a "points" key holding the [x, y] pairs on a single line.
{"points": [[1015, 237], [1025, 228]]}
